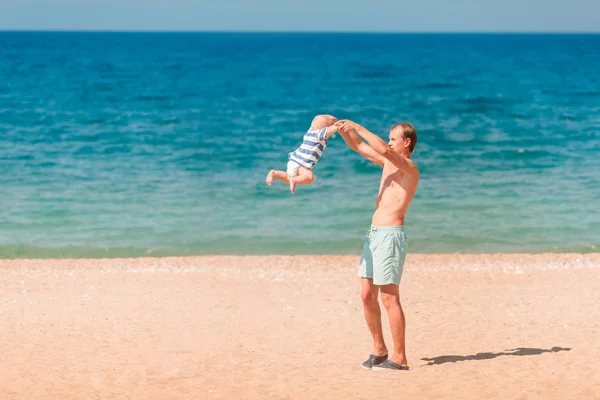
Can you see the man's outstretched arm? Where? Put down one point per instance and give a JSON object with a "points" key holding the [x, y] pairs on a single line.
{"points": [[355, 143], [378, 145]]}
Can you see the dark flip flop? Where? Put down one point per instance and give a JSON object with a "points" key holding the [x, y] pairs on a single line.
{"points": [[391, 365], [373, 361]]}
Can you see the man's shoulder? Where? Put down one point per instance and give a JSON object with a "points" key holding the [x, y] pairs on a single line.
{"points": [[413, 169], [416, 174]]}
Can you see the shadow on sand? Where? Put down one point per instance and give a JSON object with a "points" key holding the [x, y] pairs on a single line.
{"points": [[521, 351]]}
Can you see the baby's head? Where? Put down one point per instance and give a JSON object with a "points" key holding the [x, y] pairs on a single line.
{"points": [[323, 121]]}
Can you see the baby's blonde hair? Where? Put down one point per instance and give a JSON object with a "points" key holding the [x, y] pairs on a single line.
{"points": [[323, 121]]}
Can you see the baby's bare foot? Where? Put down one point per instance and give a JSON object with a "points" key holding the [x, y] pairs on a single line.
{"points": [[292, 185], [270, 177]]}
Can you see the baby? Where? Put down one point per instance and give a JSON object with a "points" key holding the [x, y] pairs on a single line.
{"points": [[303, 159]]}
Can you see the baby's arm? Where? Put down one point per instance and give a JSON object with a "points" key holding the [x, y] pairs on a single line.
{"points": [[324, 121]]}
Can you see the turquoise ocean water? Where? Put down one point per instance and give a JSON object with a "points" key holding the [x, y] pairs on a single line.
{"points": [[137, 144]]}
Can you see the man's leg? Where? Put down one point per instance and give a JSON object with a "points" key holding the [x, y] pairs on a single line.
{"points": [[369, 293], [390, 296]]}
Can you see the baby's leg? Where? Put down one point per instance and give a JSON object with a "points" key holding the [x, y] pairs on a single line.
{"points": [[305, 177], [281, 175]]}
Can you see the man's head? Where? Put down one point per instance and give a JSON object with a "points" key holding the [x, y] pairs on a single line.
{"points": [[323, 121], [403, 138]]}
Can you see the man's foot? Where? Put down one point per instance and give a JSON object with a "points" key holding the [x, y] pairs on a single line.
{"points": [[270, 177], [292, 185], [389, 364], [373, 361]]}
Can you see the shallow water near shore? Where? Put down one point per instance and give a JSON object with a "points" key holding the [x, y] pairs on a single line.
{"points": [[137, 144]]}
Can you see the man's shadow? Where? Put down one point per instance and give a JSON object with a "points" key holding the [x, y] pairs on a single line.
{"points": [[521, 351]]}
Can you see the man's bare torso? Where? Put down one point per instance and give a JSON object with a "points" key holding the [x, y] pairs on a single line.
{"points": [[396, 191]]}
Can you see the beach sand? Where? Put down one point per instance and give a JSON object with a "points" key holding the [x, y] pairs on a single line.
{"points": [[291, 327]]}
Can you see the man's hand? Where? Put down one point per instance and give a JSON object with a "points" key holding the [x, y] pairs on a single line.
{"points": [[346, 125]]}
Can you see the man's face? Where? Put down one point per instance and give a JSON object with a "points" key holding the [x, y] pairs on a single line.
{"points": [[397, 141]]}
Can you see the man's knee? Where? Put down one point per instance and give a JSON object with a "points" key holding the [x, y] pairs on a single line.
{"points": [[390, 300], [368, 296]]}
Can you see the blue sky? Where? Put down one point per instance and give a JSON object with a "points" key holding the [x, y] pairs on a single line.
{"points": [[304, 15]]}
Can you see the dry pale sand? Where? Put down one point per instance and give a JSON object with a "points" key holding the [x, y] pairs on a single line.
{"points": [[276, 327]]}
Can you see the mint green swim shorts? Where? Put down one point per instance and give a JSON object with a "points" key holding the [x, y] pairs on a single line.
{"points": [[384, 252]]}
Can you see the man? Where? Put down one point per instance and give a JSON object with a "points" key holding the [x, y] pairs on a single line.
{"points": [[384, 250]]}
